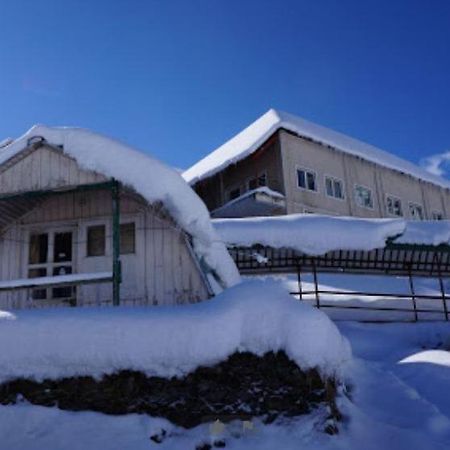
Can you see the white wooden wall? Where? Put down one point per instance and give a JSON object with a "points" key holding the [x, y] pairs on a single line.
{"points": [[161, 271]]}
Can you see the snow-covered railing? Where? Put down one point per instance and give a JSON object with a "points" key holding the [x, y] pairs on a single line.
{"points": [[56, 281]]}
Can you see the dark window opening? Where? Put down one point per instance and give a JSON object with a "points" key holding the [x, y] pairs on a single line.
{"points": [[96, 240], [38, 248]]}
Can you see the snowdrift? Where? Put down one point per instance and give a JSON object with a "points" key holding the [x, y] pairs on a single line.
{"points": [[315, 234], [255, 316]]}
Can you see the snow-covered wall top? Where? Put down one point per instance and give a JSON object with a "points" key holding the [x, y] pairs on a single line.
{"points": [[149, 177], [316, 235], [255, 316], [250, 139]]}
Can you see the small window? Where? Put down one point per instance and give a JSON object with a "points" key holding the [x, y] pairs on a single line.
{"points": [[127, 238], [334, 187], [363, 197], [416, 211], [437, 215], [96, 240], [257, 182], [235, 193], [306, 179], [38, 249], [394, 206]]}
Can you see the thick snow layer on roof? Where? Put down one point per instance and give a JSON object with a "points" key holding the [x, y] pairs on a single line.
{"points": [[248, 140], [309, 233], [426, 233], [254, 316], [149, 177]]}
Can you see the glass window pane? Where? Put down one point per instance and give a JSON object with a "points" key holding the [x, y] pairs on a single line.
{"points": [[311, 181], [338, 189], [96, 240], [38, 294], [329, 186], [65, 291], [38, 248], [127, 238], [301, 178], [62, 250], [235, 193]]}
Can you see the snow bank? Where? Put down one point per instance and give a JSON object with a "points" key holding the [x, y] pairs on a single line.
{"points": [[248, 140], [149, 177], [309, 233], [254, 316], [426, 233]]}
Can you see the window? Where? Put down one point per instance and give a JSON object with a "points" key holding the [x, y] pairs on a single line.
{"points": [[334, 187], [416, 211], [363, 197], [234, 193], [257, 182], [38, 250], [127, 238], [306, 179], [437, 215], [394, 206], [96, 240]]}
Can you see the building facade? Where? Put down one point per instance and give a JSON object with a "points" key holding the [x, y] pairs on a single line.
{"points": [[288, 171]]}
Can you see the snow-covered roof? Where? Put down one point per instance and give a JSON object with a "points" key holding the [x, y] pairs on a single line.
{"points": [[252, 137], [149, 177], [316, 234]]}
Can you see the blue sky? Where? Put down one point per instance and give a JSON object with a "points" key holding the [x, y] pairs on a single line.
{"points": [[178, 78]]}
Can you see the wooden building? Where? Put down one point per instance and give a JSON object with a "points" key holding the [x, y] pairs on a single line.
{"points": [[71, 235], [282, 164]]}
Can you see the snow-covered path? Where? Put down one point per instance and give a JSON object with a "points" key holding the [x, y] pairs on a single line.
{"points": [[399, 400]]}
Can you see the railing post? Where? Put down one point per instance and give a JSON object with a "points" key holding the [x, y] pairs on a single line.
{"points": [[117, 275], [299, 281], [316, 284], [413, 294], [444, 297]]}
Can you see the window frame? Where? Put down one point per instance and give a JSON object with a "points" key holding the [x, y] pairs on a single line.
{"points": [[410, 204], [306, 170], [334, 179], [355, 186], [394, 197], [97, 225]]}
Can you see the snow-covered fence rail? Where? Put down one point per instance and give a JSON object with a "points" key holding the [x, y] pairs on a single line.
{"points": [[62, 281], [401, 260]]}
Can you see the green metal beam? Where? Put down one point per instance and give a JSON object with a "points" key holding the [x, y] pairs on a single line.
{"points": [[117, 275], [58, 191]]}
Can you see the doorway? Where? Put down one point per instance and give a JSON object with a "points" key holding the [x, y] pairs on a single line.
{"points": [[51, 253]]}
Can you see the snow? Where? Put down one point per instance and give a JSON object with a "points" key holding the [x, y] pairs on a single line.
{"points": [[250, 139], [347, 285], [316, 234], [264, 190], [255, 316], [149, 177], [426, 233], [45, 281], [397, 402], [309, 233]]}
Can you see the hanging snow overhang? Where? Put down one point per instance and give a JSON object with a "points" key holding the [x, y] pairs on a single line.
{"points": [[258, 202]]}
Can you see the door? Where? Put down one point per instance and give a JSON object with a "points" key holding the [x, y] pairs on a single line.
{"points": [[51, 253]]}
